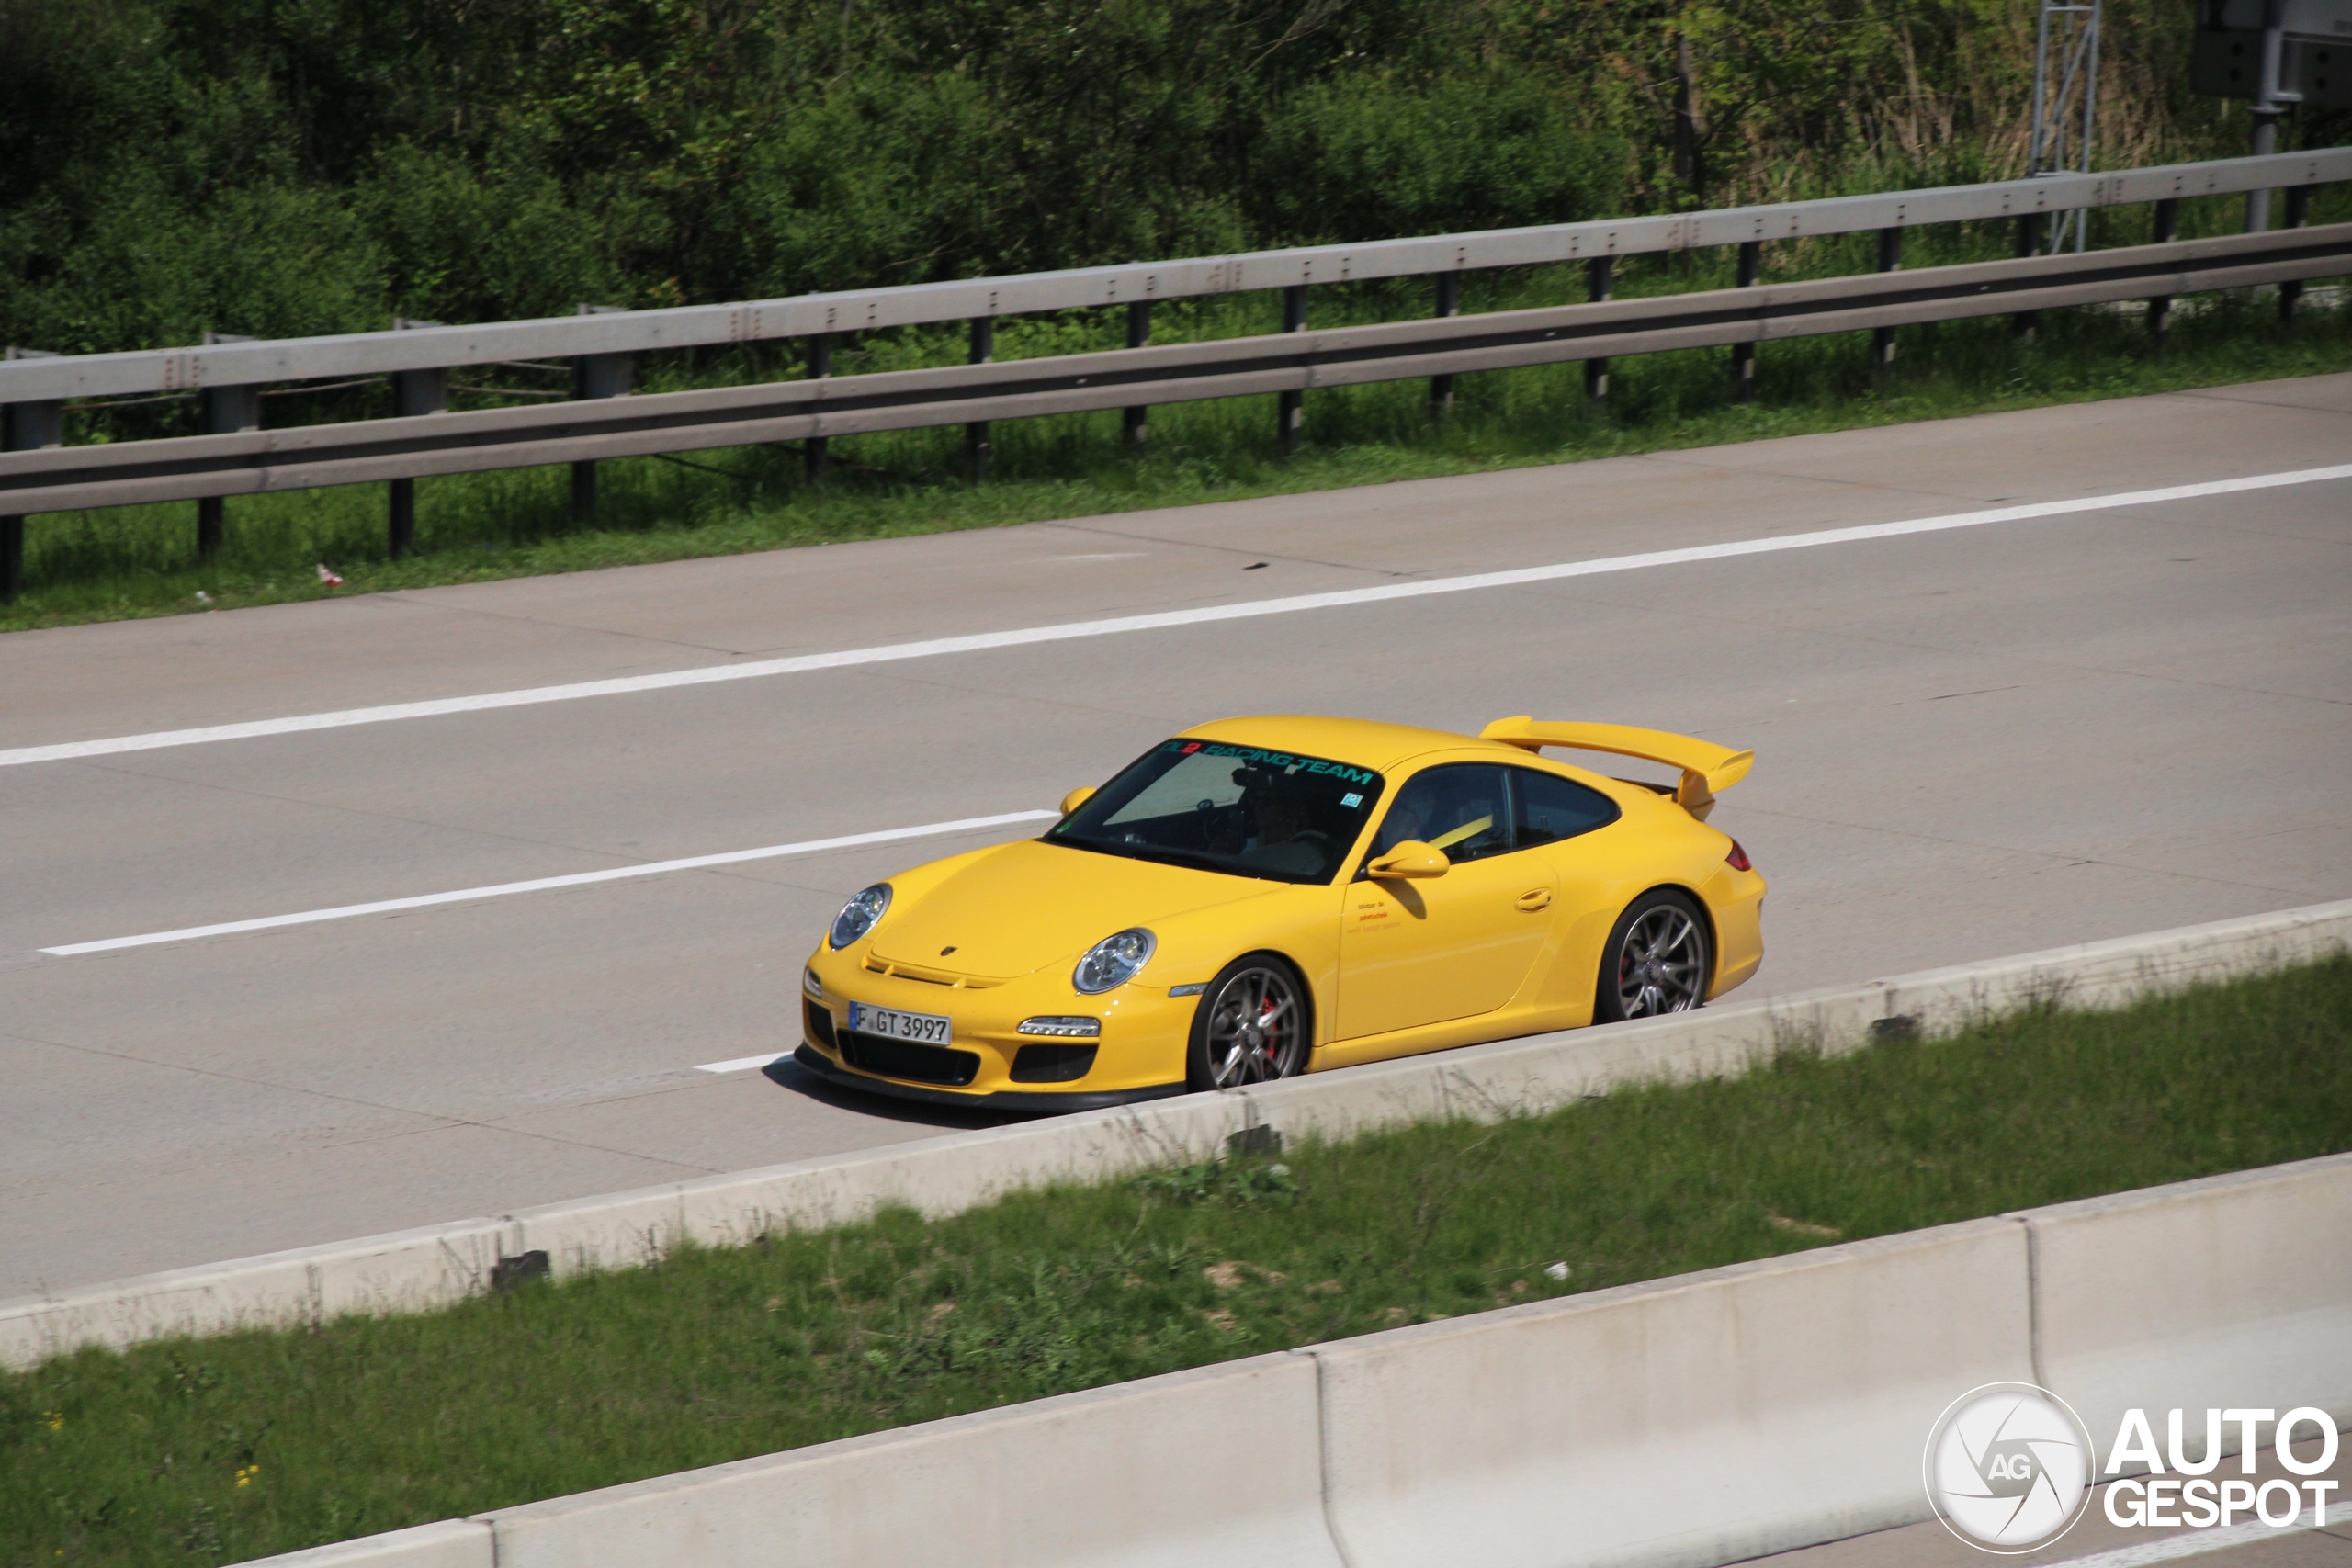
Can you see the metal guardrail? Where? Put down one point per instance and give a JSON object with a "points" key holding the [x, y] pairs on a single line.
{"points": [[303, 457], [427, 347], [227, 375]]}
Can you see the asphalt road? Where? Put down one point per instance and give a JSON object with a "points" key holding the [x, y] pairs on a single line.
{"points": [[1970, 742]]}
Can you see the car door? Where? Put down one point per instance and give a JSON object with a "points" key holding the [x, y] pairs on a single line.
{"points": [[1551, 818], [1426, 950]]}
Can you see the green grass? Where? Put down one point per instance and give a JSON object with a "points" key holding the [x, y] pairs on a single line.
{"points": [[135, 561], [206, 1451]]}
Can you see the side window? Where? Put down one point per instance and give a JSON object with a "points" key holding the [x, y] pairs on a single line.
{"points": [[1458, 808], [1548, 807]]}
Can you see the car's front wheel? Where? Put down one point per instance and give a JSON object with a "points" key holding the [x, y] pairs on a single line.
{"points": [[1251, 1026], [1658, 960]]}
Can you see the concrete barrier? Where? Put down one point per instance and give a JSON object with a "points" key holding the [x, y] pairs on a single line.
{"points": [[1217, 1465], [2231, 1292], [1682, 1423], [440, 1264], [452, 1543], [405, 1271]]}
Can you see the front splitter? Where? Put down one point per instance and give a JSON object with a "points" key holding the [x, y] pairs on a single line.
{"points": [[834, 1072]]}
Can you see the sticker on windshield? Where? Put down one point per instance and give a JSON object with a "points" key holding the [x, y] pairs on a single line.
{"points": [[1290, 762], [1351, 801]]}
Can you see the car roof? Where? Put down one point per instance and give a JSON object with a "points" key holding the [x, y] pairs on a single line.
{"points": [[1367, 743]]}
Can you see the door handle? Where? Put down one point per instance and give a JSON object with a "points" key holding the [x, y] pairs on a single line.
{"points": [[1535, 898]]}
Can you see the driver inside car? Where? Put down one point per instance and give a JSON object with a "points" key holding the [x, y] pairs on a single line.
{"points": [[1283, 840], [1454, 810]]}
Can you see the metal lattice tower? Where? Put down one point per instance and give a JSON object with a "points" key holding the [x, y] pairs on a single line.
{"points": [[2066, 106]]}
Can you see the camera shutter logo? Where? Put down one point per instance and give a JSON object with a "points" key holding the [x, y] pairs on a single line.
{"points": [[2008, 1467]]}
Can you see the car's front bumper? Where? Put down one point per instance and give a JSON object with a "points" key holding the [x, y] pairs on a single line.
{"points": [[1018, 1100], [1139, 1055]]}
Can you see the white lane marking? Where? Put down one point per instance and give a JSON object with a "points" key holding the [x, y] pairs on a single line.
{"points": [[541, 884], [2189, 1543], [1199, 616], [742, 1064]]}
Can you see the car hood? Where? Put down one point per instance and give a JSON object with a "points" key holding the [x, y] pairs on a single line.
{"points": [[1027, 905]]}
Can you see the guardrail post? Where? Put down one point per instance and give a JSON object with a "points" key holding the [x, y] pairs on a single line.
{"points": [[1742, 355], [1599, 273], [222, 410], [2021, 325], [1449, 303], [1138, 336], [820, 365], [414, 393], [976, 434], [1890, 259], [1290, 407], [2298, 205], [596, 375], [2162, 227], [24, 427]]}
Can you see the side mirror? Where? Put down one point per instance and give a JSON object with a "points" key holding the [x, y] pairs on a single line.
{"points": [[1077, 798], [1410, 859]]}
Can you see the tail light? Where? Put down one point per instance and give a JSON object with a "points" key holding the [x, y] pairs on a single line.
{"points": [[1738, 859]]}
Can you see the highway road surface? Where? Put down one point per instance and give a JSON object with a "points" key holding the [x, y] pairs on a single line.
{"points": [[2053, 717]]}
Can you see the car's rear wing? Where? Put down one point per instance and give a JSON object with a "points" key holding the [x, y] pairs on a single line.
{"points": [[1707, 768]]}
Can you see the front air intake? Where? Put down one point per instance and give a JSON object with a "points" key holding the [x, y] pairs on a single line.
{"points": [[1052, 1064], [905, 1059]]}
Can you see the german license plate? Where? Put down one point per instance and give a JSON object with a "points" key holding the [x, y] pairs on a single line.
{"points": [[923, 1028]]}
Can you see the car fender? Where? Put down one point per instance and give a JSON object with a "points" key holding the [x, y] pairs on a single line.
{"points": [[1298, 922]]}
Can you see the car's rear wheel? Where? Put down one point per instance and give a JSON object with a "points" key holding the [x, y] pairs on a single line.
{"points": [[1251, 1026], [1658, 960]]}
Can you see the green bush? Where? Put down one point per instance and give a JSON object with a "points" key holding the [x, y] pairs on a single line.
{"points": [[315, 165], [1363, 157]]}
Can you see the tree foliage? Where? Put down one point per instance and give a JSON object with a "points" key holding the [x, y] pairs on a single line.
{"points": [[279, 166]]}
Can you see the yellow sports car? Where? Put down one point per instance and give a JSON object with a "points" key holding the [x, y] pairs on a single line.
{"points": [[1260, 897]]}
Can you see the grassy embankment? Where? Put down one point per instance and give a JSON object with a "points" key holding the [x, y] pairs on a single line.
{"points": [[211, 1450]]}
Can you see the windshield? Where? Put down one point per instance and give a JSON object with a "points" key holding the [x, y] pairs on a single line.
{"points": [[1232, 808]]}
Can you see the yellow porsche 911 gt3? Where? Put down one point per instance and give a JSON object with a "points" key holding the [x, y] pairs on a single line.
{"points": [[1260, 897]]}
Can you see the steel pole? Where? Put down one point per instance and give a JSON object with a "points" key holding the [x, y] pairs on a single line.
{"points": [[1599, 276], [595, 376], [414, 393], [2165, 222], [820, 365], [2021, 325], [24, 427], [1449, 303], [221, 411], [1742, 355], [2268, 108], [1290, 407], [976, 434], [1890, 259], [2299, 202], [1138, 336]]}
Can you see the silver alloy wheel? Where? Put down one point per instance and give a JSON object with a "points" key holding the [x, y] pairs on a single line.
{"points": [[1254, 1030], [1660, 964]]}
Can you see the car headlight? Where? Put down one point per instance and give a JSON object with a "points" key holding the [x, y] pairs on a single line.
{"points": [[857, 916], [1114, 961]]}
